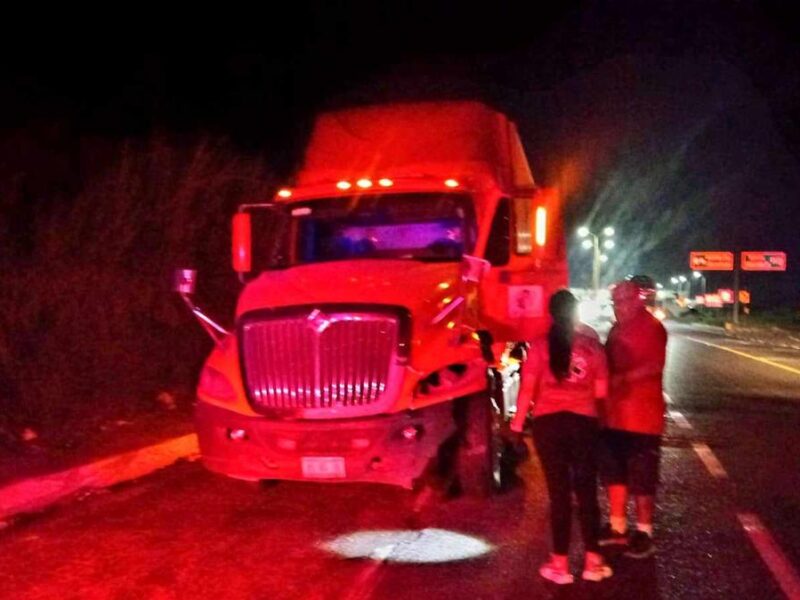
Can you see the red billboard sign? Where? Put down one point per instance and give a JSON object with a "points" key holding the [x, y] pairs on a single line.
{"points": [[763, 261], [711, 261]]}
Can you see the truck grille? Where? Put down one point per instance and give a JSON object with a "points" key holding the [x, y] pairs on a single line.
{"points": [[316, 360]]}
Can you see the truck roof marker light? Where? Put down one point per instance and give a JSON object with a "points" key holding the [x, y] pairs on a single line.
{"points": [[451, 183], [541, 226], [451, 325], [284, 193], [344, 185], [364, 183], [444, 285], [385, 182]]}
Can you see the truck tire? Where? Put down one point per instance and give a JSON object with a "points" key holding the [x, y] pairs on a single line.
{"points": [[479, 462]]}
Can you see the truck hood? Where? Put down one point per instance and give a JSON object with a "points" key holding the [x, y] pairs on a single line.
{"points": [[423, 288]]}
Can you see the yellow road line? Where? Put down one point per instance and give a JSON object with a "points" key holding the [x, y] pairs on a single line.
{"points": [[746, 355]]}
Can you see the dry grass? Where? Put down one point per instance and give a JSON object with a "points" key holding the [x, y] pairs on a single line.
{"points": [[88, 326]]}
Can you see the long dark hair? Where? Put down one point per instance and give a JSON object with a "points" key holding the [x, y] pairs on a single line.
{"points": [[559, 338]]}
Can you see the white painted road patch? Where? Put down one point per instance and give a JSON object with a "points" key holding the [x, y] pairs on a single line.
{"points": [[418, 546], [424, 546]]}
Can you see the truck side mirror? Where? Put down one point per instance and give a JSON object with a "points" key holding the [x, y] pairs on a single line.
{"points": [[473, 268], [241, 253], [184, 281]]}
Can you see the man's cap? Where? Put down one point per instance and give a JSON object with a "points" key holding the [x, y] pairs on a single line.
{"points": [[626, 290], [645, 282]]}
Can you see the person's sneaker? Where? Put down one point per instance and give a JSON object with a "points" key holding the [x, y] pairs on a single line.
{"points": [[611, 537], [556, 570], [640, 545], [595, 567]]}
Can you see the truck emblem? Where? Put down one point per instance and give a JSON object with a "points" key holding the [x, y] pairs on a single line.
{"points": [[317, 321]]}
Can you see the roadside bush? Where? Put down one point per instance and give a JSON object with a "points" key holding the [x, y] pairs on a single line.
{"points": [[88, 325]]}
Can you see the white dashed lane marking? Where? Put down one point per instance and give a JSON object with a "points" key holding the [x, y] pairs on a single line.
{"points": [[676, 415], [776, 561], [772, 555], [710, 460], [680, 420]]}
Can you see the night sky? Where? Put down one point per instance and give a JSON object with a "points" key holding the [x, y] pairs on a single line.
{"points": [[676, 122]]}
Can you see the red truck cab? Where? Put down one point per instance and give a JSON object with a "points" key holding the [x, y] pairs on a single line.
{"points": [[411, 242]]}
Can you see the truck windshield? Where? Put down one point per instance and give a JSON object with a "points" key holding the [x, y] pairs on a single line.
{"points": [[425, 226]]}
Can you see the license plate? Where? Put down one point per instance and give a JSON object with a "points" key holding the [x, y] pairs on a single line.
{"points": [[323, 467]]}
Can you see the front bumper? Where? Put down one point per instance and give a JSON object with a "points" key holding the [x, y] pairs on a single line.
{"points": [[368, 449]]}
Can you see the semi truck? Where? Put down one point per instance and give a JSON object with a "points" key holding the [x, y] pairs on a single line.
{"points": [[383, 287]]}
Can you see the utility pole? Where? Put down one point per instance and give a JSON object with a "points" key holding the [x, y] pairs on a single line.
{"points": [[592, 241], [736, 267]]}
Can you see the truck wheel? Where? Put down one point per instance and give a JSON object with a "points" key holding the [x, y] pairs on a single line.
{"points": [[480, 465]]}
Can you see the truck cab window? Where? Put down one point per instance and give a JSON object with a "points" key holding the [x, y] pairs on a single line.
{"points": [[498, 248], [422, 226], [270, 230]]}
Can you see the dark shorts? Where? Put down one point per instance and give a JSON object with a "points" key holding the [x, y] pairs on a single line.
{"points": [[630, 459]]}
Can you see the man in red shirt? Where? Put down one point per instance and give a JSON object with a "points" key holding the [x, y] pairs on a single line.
{"points": [[634, 417]]}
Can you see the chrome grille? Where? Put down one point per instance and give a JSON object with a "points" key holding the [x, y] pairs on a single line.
{"points": [[317, 360]]}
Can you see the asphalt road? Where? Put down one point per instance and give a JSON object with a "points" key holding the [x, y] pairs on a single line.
{"points": [[728, 516]]}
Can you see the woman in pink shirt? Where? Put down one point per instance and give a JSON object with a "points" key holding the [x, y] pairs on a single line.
{"points": [[562, 380]]}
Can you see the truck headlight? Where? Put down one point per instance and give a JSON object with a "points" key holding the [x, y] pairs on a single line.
{"points": [[215, 385]]}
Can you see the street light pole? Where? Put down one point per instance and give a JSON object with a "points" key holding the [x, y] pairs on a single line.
{"points": [[595, 263], [682, 279], [702, 278], [736, 290], [597, 255]]}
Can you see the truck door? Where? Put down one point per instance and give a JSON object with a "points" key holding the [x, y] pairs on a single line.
{"points": [[527, 254]]}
